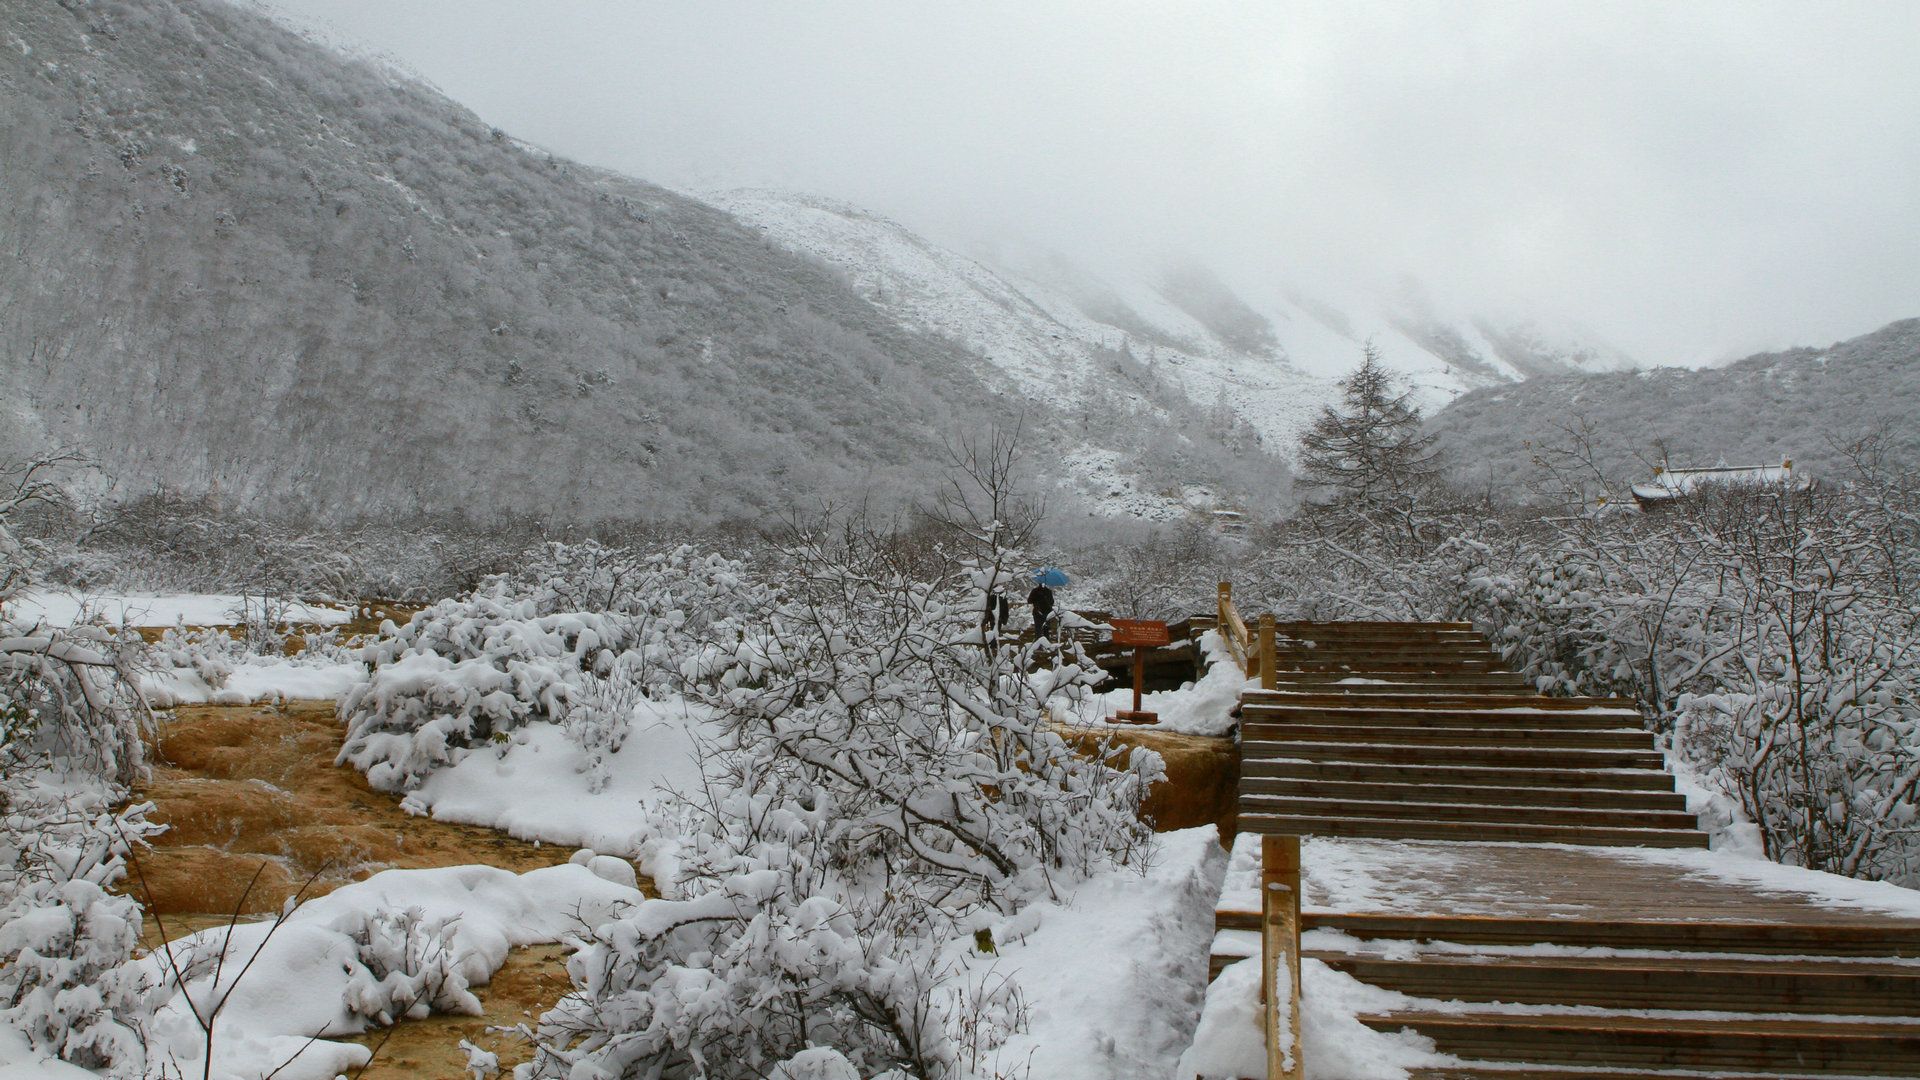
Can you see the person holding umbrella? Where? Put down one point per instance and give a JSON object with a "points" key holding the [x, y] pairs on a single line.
{"points": [[1042, 598]]}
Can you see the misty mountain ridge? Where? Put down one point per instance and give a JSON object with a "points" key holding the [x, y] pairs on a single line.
{"points": [[1270, 362], [1800, 405], [241, 264]]}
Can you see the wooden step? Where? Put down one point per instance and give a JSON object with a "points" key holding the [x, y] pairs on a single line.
{"points": [[1227, 919], [1313, 806], [1392, 665], [1587, 798], [1319, 677], [1366, 688], [1418, 735], [1444, 700], [1633, 779], [1386, 658], [1269, 716], [1509, 689], [1466, 831], [1452, 639], [1798, 985], [1522, 712], [1866, 938], [1508, 757], [1519, 1071], [1324, 636], [1217, 964], [1388, 653], [1346, 625], [1865, 1048]]}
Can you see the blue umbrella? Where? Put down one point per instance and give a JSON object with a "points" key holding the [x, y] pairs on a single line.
{"points": [[1049, 576]]}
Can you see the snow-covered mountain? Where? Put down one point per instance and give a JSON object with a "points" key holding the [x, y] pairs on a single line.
{"points": [[1055, 328], [241, 265]]}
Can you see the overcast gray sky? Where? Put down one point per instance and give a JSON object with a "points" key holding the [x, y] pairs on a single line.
{"points": [[1691, 180]]}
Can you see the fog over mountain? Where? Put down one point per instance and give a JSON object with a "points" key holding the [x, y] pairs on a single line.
{"points": [[1054, 326], [1691, 182]]}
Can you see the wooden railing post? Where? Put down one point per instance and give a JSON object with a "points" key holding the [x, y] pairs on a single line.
{"points": [[1280, 954], [1268, 679], [1225, 605]]}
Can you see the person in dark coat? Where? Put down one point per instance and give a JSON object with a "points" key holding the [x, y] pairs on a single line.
{"points": [[1042, 600]]}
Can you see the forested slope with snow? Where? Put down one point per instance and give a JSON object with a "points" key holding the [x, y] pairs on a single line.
{"points": [[239, 263], [1802, 405]]}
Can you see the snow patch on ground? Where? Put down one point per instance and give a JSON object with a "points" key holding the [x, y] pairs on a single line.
{"points": [[1338, 1046], [535, 787], [259, 679], [1114, 977], [287, 984], [1826, 890], [1720, 815], [135, 609]]}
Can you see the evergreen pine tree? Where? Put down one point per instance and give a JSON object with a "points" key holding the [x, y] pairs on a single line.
{"points": [[1370, 446]]}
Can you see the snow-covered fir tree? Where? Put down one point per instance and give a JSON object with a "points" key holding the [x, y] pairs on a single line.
{"points": [[1370, 444]]}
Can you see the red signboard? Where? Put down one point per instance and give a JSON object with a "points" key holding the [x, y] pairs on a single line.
{"points": [[1140, 633]]}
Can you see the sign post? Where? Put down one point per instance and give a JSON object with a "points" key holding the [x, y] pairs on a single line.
{"points": [[1142, 634]]}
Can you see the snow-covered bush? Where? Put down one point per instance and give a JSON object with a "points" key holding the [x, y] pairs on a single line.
{"points": [[64, 939], [466, 672], [210, 653], [70, 700], [71, 717], [1773, 633], [410, 972], [64, 983], [883, 774]]}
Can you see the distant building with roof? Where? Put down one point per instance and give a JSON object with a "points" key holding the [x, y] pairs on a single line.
{"points": [[1670, 483]]}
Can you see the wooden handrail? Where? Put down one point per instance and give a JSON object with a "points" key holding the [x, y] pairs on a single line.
{"points": [[1269, 675], [1253, 654], [1233, 630], [1280, 955], [1279, 873]]}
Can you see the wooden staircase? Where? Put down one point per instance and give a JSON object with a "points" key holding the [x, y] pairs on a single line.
{"points": [[1634, 997], [1596, 966], [1414, 731]]}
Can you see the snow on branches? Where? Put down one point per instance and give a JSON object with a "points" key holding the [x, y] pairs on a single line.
{"points": [[881, 778], [574, 641]]}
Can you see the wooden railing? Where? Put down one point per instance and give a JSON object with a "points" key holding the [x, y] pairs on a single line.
{"points": [[1279, 872], [1253, 652], [1280, 955]]}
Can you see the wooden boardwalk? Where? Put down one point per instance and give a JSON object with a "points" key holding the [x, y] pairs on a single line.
{"points": [[1518, 867], [1554, 882]]}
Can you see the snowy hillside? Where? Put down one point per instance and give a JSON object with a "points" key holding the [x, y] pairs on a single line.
{"points": [[1056, 330], [242, 265], [1803, 405]]}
